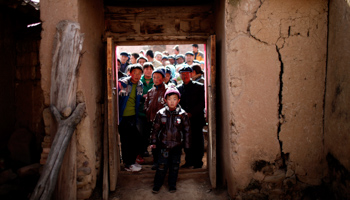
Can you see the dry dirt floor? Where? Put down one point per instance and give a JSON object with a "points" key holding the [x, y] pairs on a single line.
{"points": [[192, 184]]}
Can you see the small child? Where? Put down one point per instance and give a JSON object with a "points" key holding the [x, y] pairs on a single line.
{"points": [[171, 130]]}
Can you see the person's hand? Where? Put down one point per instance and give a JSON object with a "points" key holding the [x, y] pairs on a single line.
{"points": [[145, 95], [153, 146]]}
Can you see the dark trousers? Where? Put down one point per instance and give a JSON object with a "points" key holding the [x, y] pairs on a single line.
{"points": [[130, 139], [195, 154], [144, 128], [168, 159]]}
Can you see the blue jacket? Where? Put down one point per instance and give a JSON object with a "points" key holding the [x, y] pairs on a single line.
{"points": [[124, 90]]}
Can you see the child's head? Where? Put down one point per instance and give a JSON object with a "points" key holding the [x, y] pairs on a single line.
{"points": [[158, 76], [172, 97]]}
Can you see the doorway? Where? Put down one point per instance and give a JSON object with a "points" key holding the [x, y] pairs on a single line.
{"points": [[208, 48]]}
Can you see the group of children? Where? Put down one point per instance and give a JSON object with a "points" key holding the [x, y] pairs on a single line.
{"points": [[150, 113]]}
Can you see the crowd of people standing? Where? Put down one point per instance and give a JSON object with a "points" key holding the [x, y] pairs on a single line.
{"points": [[161, 104]]}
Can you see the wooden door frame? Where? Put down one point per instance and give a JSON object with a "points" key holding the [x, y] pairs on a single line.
{"points": [[210, 85]]}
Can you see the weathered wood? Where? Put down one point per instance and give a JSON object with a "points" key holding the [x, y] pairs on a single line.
{"points": [[65, 63], [144, 24], [157, 39], [211, 99], [105, 183], [66, 127], [112, 119]]}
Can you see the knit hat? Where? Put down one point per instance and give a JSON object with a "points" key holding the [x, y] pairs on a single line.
{"points": [[180, 56], [172, 90], [141, 57], [167, 70], [197, 69], [135, 66], [185, 68], [160, 70]]}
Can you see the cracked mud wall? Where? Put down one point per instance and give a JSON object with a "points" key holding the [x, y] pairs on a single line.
{"points": [[337, 106], [275, 64], [89, 14]]}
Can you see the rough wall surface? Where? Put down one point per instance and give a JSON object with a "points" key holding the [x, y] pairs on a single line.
{"points": [[337, 109], [253, 86], [276, 57], [303, 47], [89, 133], [90, 16], [337, 106]]}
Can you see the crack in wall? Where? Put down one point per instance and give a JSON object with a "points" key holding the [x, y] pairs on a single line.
{"points": [[250, 23], [280, 96]]}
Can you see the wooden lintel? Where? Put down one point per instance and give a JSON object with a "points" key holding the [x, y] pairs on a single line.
{"points": [[156, 40]]}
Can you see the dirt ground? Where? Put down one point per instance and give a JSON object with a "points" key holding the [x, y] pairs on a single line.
{"points": [[191, 184]]}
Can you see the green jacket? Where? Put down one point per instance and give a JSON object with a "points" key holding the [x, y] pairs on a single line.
{"points": [[146, 87]]}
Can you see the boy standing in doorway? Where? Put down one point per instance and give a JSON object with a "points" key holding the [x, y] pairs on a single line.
{"points": [[171, 129], [130, 92]]}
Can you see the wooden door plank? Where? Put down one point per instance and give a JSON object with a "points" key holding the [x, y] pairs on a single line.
{"points": [[211, 99], [112, 139], [105, 183]]}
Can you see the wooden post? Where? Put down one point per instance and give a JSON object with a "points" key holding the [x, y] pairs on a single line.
{"points": [[65, 63]]}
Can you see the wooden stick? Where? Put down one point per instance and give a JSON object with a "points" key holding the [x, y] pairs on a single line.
{"points": [[48, 178]]}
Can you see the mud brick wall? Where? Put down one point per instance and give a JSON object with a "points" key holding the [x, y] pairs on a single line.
{"points": [[337, 105], [275, 66]]}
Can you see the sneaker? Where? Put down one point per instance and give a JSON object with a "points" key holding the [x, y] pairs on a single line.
{"points": [[172, 189], [140, 160], [155, 190], [132, 168]]}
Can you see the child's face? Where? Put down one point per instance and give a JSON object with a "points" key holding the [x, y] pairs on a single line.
{"points": [[167, 78], [135, 75], [157, 79], [172, 101], [148, 72]]}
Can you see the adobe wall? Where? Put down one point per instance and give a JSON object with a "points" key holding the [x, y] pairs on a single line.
{"points": [[90, 16], [275, 71], [337, 106]]}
